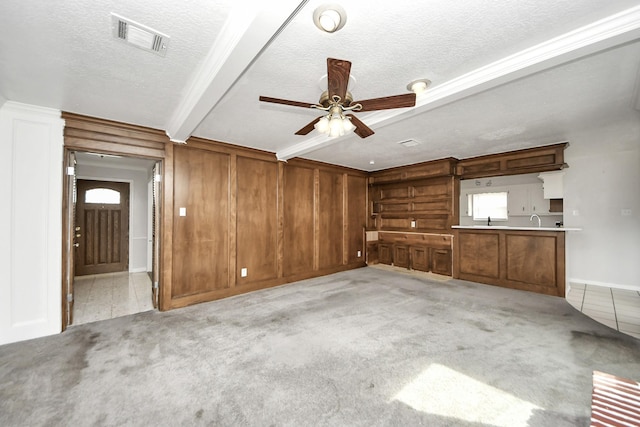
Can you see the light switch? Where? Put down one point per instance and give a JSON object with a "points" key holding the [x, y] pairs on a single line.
{"points": [[359, 254], [413, 224], [183, 211], [243, 272]]}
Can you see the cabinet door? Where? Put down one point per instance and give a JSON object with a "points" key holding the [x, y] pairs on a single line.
{"points": [[518, 201], [441, 261], [401, 256], [419, 258], [384, 253], [538, 204]]}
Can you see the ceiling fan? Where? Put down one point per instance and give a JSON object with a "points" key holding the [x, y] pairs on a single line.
{"points": [[337, 101]]}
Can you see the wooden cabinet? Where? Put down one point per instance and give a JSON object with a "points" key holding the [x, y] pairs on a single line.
{"points": [[539, 159], [385, 253], [427, 205], [416, 251], [401, 256], [527, 260]]}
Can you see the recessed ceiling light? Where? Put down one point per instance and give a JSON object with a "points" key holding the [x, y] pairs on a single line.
{"points": [[372, 162], [329, 17], [419, 86]]}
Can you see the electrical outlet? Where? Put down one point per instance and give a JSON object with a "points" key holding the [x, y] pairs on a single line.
{"points": [[359, 254], [183, 211], [243, 272]]}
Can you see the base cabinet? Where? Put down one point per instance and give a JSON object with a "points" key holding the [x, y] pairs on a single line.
{"points": [[519, 259], [415, 251]]}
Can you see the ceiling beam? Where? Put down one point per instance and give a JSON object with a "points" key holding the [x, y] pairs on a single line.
{"points": [[246, 33], [606, 33]]}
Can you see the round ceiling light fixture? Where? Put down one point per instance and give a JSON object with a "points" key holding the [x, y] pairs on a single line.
{"points": [[329, 17], [419, 86]]}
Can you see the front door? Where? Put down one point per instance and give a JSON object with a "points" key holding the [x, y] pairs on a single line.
{"points": [[102, 222]]}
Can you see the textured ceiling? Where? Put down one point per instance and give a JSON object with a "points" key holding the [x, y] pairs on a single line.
{"points": [[224, 54]]}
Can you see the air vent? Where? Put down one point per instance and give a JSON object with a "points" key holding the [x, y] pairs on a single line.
{"points": [[409, 143], [139, 35]]}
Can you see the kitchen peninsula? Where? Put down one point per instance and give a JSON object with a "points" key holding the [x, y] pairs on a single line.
{"points": [[525, 258]]}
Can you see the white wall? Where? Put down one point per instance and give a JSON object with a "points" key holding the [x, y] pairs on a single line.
{"points": [[138, 207], [602, 179], [31, 140]]}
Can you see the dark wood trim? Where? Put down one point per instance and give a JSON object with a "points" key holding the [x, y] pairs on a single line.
{"points": [[537, 159], [233, 220], [166, 248]]}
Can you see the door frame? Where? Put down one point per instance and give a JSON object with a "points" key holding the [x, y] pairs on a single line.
{"points": [[68, 226]]}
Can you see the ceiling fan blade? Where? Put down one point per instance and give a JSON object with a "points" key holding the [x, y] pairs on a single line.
{"points": [[362, 130], [308, 128], [338, 71], [285, 102], [387, 102]]}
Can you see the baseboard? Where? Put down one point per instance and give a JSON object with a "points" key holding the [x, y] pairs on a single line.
{"points": [[598, 283], [138, 270]]}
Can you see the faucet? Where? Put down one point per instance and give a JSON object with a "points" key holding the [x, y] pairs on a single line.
{"points": [[535, 216]]}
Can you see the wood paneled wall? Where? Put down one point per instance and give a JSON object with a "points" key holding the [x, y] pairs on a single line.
{"points": [[244, 210]]}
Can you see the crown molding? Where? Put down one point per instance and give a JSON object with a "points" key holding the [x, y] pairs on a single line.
{"points": [[604, 34]]}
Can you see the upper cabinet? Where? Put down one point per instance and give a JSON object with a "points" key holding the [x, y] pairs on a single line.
{"points": [[540, 159], [553, 184]]}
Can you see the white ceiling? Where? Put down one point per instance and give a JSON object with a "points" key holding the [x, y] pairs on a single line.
{"points": [[507, 74]]}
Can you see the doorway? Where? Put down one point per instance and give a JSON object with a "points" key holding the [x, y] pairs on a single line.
{"points": [[102, 225], [111, 200]]}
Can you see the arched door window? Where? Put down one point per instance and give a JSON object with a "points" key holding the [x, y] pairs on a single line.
{"points": [[105, 196]]}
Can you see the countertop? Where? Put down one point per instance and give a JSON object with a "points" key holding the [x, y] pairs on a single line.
{"points": [[504, 227]]}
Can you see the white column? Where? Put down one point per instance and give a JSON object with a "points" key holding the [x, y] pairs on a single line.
{"points": [[31, 143]]}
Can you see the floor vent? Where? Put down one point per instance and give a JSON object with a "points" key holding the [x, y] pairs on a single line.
{"points": [[139, 35]]}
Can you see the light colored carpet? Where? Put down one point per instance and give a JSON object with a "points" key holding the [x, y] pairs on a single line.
{"points": [[367, 347]]}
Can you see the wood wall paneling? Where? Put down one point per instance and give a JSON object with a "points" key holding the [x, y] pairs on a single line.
{"points": [[298, 217], [257, 219], [330, 238], [201, 237], [356, 201]]}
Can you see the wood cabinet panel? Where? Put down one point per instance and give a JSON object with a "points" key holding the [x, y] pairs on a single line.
{"points": [[419, 258], [298, 233], [201, 237], [527, 260], [480, 254], [441, 261], [531, 260], [538, 159], [401, 256], [257, 219], [385, 253], [331, 232], [356, 216]]}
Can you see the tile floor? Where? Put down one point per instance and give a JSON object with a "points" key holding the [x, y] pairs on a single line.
{"points": [[105, 296], [617, 308]]}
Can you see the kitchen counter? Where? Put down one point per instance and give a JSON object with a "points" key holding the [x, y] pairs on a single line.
{"points": [[525, 258], [515, 228]]}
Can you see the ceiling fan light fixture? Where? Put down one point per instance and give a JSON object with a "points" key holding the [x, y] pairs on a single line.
{"points": [[419, 86], [329, 18]]}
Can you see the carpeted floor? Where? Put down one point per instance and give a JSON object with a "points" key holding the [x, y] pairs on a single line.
{"points": [[366, 347]]}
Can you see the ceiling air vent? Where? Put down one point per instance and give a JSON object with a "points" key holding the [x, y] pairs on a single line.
{"points": [[139, 35], [409, 143]]}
